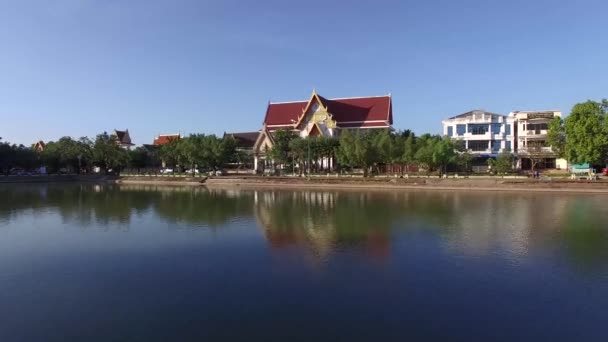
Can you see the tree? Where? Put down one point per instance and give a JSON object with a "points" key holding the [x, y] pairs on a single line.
{"points": [[504, 162], [435, 152], [586, 130], [280, 149], [170, 153], [16, 156], [536, 153], [357, 149], [464, 160], [67, 153], [424, 152], [191, 151], [390, 147], [298, 149], [138, 158], [219, 151], [107, 154], [556, 137], [444, 153], [409, 150], [242, 159]]}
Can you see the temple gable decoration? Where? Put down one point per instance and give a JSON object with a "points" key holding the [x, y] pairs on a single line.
{"points": [[316, 118]]}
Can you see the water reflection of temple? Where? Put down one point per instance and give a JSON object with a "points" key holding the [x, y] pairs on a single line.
{"points": [[315, 221]]}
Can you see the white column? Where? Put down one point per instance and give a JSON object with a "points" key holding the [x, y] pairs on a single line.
{"points": [[255, 163]]}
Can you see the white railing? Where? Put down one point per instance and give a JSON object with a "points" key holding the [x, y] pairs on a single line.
{"points": [[535, 150], [534, 133], [485, 136]]}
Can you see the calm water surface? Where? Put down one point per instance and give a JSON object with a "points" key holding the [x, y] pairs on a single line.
{"points": [[101, 263]]}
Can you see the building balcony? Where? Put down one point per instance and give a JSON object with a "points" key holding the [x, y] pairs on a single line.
{"points": [[488, 151], [535, 133], [536, 150], [471, 136]]}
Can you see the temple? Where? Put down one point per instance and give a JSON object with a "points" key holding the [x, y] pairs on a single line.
{"points": [[123, 139], [319, 116]]}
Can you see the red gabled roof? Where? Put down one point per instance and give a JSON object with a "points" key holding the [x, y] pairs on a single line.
{"points": [[363, 125], [165, 139], [284, 113], [357, 109]]}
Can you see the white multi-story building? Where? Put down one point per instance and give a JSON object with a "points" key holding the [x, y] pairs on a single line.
{"points": [[483, 133], [531, 138], [524, 133]]}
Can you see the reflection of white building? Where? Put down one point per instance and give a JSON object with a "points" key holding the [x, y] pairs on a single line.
{"points": [[524, 133]]}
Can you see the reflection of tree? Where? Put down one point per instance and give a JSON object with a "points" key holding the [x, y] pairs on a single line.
{"points": [[113, 205], [586, 234], [199, 206]]}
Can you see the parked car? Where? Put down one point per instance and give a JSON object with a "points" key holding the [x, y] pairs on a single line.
{"points": [[605, 171], [166, 170], [192, 171], [16, 171]]}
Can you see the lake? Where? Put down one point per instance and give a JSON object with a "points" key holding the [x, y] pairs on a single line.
{"points": [[127, 263]]}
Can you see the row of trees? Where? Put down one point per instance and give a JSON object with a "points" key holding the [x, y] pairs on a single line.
{"points": [[82, 155], [12, 155], [66, 154], [583, 136], [200, 151], [369, 150]]}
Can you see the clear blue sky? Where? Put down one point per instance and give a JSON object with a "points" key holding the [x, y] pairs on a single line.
{"points": [[79, 67]]}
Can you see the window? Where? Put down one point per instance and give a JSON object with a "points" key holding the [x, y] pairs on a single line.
{"points": [[495, 145], [538, 127], [478, 129], [478, 145], [496, 128], [450, 131], [508, 129], [508, 145], [461, 129]]}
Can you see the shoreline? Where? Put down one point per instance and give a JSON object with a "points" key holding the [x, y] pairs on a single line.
{"points": [[404, 187], [385, 184], [334, 183]]}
